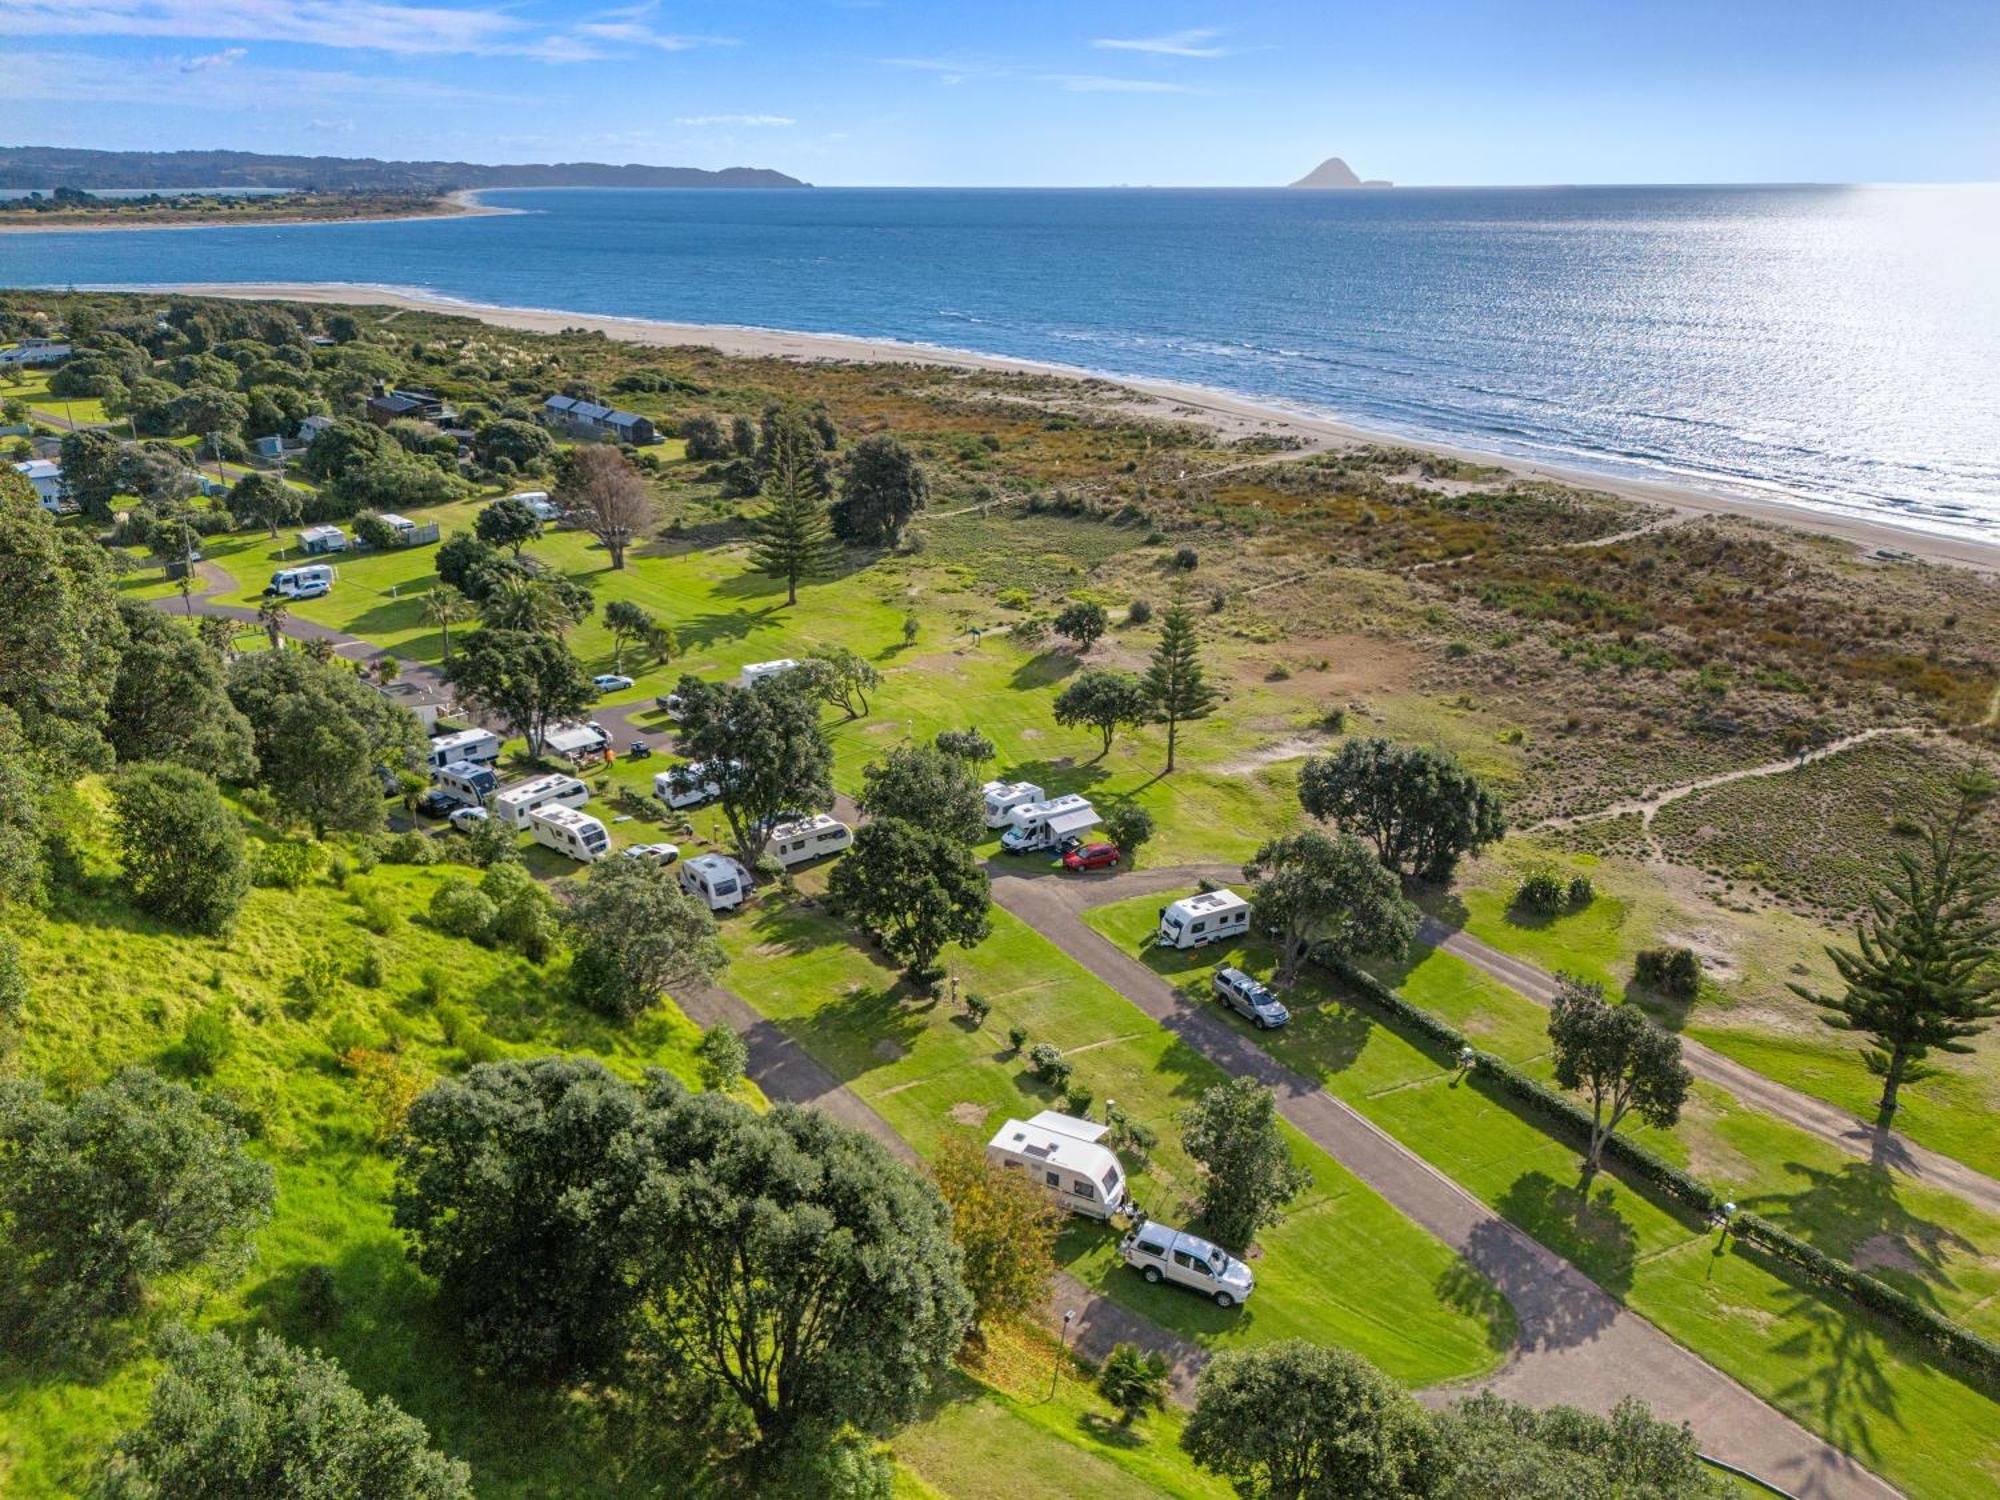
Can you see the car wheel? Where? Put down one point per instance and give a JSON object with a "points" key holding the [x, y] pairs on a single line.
{"points": [[1152, 1274], [1224, 1300], [1262, 1024]]}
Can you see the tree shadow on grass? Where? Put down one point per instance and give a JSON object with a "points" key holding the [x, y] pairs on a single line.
{"points": [[1464, 1288], [1334, 1032], [1106, 1430], [1668, 1011], [1854, 1213], [1045, 670], [702, 632], [1838, 1350], [1580, 1222], [858, 1030]]}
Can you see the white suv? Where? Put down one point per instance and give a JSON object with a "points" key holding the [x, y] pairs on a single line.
{"points": [[1162, 1254]]}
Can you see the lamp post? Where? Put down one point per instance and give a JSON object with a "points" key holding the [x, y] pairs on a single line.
{"points": [[1466, 1057], [1062, 1348]]}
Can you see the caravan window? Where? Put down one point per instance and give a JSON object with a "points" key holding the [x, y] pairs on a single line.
{"points": [[1199, 927], [831, 836], [1110, 1179], [1084, 1190], [725, 888], [1054, 1179]]}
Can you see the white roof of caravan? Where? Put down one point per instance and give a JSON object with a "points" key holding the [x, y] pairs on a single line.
{"points": [[527, 791], [1040, 1139], [766, 668], [999, 789], [716, 864], [1208, 903], [566, 737], [815, 824], [566, 817], [390, 518], [460, 737], [1062, 1124]]}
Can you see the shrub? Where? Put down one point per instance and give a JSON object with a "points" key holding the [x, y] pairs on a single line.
{"points": [[319, 1296], [1581, 891], [1674, 972], [978, 1007], [377, 909], [433, 986], [1049, 1065], [1017, 1037], [1077, 1099], [458, 909], [1542, 891], [410, 849], [1334, 721], [286, 865], [206, 1040], [1138, 612], [317, 981], [1187, 559], [371, 973], [348, 1035], [1127, 1134]]}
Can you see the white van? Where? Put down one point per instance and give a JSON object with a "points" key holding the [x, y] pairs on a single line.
{"points": [[686, 786], [757, 671], [1196, 921], [1044, 825], [309, 582], [513, 805], [481, 746], [469, 783], [1002, 797], [715, 880], [1065, 1157], [807, 840], [570, 832]]}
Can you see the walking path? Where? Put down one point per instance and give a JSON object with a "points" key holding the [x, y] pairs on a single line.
{"points": [[1577, 1344]]}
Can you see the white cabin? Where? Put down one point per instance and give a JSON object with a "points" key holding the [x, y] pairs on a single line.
{"points": [[513, 804], [567, 831], [1002, 797], [309, 582], [1195, 921], [807, 840], [716, 880], [757, 671], [1065, 1157], [480, 746]]}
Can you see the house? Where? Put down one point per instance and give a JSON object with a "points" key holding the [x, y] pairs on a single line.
{"points": [[35, 352], [322, 539], [420, 698], [587, 419], [46, 476], [268, 447], [311, 427], [385, 407], [1066, 1158]]}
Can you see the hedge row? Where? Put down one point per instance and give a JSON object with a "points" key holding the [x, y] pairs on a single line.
{"points": [[1978, 1354]]}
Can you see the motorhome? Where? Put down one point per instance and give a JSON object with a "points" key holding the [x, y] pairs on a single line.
{"points": [[513, 804], [1195, 921], [481, 746], [570, 832], [466, 782], [716, 880], [309, 582], [540, 506], [1162, 1254], [1066, 1158], [1044, 825], [808, 839], [1002, 797], [576, 741], [758, 671], [686, 786]]}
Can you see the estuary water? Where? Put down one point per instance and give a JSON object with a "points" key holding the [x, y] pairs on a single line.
{"points": [[1839, 346]]}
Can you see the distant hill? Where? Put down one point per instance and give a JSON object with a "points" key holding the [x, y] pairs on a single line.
{"points": [[55, 166], [1335, 173]]}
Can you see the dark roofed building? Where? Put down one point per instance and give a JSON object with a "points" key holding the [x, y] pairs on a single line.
{"points": [[587, 419], [385, 407]]}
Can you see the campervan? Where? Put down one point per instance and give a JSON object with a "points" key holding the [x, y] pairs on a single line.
{"points": [[1066, 1158], [686, 786], [512, 805], [540, 506], [480, 746], [758, 671], [466, 782], [715, 880], [1195, 921], [309, 582], [575, 740], [570, 832], [1044, 825], [808, 839], [1002, 797]]}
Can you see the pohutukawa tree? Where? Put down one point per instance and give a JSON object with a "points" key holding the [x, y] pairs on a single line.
{"points": [[1419, 807], [1331, 892], [1006, 1229], [1621, 1060], [882, 487], [915, 890], [1176, 686], [1105, 701], [600, 491], [508, 522], [763, 747], [926, 788], [842, 678]]}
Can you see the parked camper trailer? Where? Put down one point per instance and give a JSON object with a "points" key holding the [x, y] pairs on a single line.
{"points": [[575, 740], [1044, 825], [570, 832], [1002, 797], [481, 746], [466, 782], [716, 880], [808, 839], [540, 506], [686, 786], [1065, 1157], [513, 804], [322, 539], [1196, 921], [758, 671], [309, 582]]}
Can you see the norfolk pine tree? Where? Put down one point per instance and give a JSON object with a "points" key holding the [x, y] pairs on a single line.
{"points": [[794, 535], [1175, 684]]}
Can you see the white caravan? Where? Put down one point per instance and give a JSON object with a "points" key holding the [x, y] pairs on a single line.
{"points": [[513, 805], [481, 746], [808, 839], [715, 880], [1065, 1157], [570, 832], [686, 786], [309, 582], [467, 781], [1196, 921], [574, 739], [540, 506], [1043, 825], [1002, 797], [758, 671]]}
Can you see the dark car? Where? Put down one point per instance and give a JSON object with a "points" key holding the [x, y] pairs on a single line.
{"points": [[1249, 997], [437, 803], [1091, 857]]}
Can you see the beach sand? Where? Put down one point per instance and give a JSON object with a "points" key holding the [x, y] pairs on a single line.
{"points": [[1231, 417]]}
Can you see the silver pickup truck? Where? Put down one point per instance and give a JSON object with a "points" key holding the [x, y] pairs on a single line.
{"points": [[1162, 1254]]}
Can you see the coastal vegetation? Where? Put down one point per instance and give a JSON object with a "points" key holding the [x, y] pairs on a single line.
{"points": [[75, 208]]}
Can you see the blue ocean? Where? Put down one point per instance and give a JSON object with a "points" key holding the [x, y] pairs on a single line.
{"points": [[1836, 345]]}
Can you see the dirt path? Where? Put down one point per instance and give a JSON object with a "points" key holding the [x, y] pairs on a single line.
{"points": [[1577, 1344]]}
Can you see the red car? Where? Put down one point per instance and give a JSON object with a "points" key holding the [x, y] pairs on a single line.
{"points": [[1091, 857]]}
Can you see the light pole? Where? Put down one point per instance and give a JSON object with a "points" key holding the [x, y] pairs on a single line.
{"points": [[1062, 1348]]}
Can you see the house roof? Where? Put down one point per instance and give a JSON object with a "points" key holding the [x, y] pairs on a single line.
{"points": [[560, 403], [39, 468], [626, 419]]}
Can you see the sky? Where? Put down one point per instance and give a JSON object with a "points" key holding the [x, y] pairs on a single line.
{"points": [[897, 92]]}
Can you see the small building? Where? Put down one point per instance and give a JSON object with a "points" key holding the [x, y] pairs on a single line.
{"points": [[268, 447], [322, 539], [311, 427], [1196, 921], [385, 407], [1065, 1157], [589, 419], [421, 699], [35, 352], [46, 476]]}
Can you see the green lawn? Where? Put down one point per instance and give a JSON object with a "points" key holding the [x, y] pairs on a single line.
{"points": [[1843, 1373]]}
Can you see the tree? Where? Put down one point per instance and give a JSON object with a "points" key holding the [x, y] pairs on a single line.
{"points": [[127, 1182], [913, 889], [924, 787], [463, 560], [263, 501], [601, 492], [793, 1262], [90, 472], [1419, 807], [531, 682], [721, 1056], [202, 409], [372, 531], [1083, 622], [14, 995], [510, 1186], [1129, 826], [794, 540], [1924, 972], [272, 612], [444, 607], [882, 487], [1621, 1059], [181, 846], [1248, 1175], [763, 747], [743, 436], [967, 744], [636, 934], [659, 641], [270, 1419], [513, 598], [1133, 1382], [1176, 687], [843, 679], [1492, 1449], [1331, 892], [24, 794], [507, 522], [1103, 700], [1293, 1421], [346, 445], [170, 700], [705, 439], [522, 444], [627, 622], [1005, 1227]]}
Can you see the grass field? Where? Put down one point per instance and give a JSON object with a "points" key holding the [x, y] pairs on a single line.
{"points": [[1843, 1373]]}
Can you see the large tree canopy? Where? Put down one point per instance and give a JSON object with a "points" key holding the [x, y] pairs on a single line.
{"points": [[1617, 1057], [915, 889], [927, 788], [170, 700], [881, 488], [181, 846], [1248, 1175], [1328, 892], [1419, 807], [529, 681], [762, 745], [636, 934]]}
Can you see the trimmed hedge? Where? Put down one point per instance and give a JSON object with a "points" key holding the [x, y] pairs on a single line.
{"points": [[1978, 1354]]}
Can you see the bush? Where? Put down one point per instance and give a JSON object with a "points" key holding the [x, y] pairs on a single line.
{"points": [[1581, 891], [317, 981], [978, 1007], [1542, 891], [1187, 559], [433, 986], [459, 910], [1049, 1065], [410, 849], [371, 973], [285, 866], [1078, 1098], [1138, 612], [377, 909], [1017, 1037], [1673, 972], [206, 1040], [349, 1034], [319, 1296]]}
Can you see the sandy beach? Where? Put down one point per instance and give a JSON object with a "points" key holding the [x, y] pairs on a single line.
{"points": [[465, 205], [1232, 417]]}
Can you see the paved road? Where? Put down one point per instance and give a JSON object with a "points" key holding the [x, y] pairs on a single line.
{"points": [[1577, 1344]]}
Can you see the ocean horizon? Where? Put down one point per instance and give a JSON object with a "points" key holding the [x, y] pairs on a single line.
{"points": [[1837, 346]]}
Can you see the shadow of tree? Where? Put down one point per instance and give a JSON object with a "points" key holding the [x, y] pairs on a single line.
{"points": [[700, 632], [1463, 1287], [1583, 1226], [1045, 670], [1106, 1430], [1669, 1011], [1336, 1033], [1854, 1212], [1838, 1350]]}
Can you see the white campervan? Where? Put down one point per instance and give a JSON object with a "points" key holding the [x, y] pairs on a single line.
{"points": [[715, 880], [467, 782], [686, 786], [1002, 797], [1196, 921], [573, 739], [808, 839], [1043, 825], [480, 746], [570, 832], [309, 582], [512, 805], [1065, 1157], [540, 506], [758, 671]]}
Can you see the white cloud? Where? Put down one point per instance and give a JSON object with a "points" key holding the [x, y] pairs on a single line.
{"points": [[1093, 83], [633, 34], [80, 78], [222, 59], [771, 120], [1194, 42]]}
